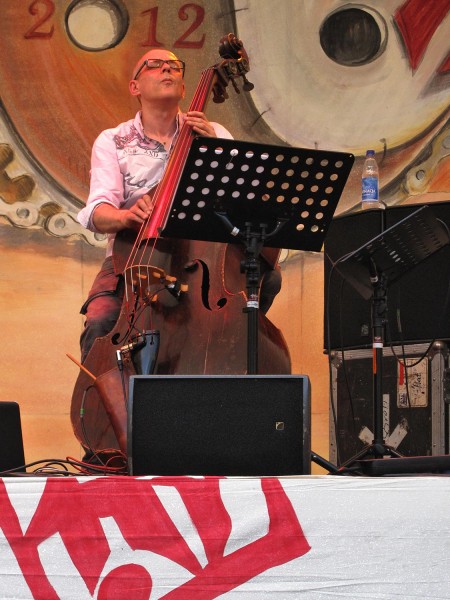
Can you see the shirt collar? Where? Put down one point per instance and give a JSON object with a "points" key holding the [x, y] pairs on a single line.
{"points": [[140, 128]]}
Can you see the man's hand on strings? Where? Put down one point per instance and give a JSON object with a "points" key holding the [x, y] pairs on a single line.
{"points": [[199, 123], [109, 219], [139, 212]]}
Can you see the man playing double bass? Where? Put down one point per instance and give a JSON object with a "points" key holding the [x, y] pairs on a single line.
{"points": [[127, 162]]}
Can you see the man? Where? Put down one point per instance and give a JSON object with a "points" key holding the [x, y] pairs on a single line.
{"points": [[127, 162]]}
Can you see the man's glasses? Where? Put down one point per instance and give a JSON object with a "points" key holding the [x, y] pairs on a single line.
{"points": [[157, 63]]}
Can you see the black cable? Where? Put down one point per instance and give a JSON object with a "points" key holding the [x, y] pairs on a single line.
{"points": [[330, 365], [64, 464]]}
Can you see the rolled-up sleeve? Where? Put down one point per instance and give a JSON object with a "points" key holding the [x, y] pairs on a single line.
{"points": [[106, 184], [221, 132]]}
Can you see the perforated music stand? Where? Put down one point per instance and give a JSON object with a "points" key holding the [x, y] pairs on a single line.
{"points": [[370, 270], [257, 195]]}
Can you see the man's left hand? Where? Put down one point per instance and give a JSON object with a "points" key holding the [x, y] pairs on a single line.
{"points": [[199, 123]]}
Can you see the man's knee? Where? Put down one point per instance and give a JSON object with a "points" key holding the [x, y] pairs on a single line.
{"points": [[101, 317], [270, 287]]}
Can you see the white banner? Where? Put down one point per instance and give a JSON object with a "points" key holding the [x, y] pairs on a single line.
{"points": [[181, 538]]}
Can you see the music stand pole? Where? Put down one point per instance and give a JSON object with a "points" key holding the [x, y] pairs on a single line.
{"points": [[379, 308], [254, 242], [378, 448]]}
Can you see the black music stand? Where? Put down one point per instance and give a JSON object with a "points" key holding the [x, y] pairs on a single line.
{"points": [[257, 195], [370, 270]]}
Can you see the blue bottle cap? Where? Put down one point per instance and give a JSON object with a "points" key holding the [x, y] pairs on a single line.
{"points": [[370, 153]]}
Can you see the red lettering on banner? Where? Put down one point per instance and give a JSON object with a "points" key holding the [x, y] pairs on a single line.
{"points": [[118, 584], [73, 509], [25, 550]]}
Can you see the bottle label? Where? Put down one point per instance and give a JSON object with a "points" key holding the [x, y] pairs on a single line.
{"points": [[369, 189]]}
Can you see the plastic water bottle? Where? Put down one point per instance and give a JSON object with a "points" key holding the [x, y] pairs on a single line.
{"points": [[370, 181]]}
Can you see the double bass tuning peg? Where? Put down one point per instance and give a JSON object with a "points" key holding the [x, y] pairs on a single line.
{"points": [[248, 85]]}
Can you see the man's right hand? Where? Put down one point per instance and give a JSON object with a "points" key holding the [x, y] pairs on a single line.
{"points": [[109, 219]]}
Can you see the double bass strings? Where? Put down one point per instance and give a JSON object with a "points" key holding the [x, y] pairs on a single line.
{"points": [[139, 269]]}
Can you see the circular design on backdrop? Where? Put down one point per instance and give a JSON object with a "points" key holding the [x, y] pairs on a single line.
{"points": [[95, 25], [357, 75], [352, 36], [319, 101], [56, 96], [67, 73]]}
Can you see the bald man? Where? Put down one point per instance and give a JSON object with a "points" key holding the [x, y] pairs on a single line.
{"points": [[127, 162]]}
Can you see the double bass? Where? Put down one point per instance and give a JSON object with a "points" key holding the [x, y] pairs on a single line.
{"points": [[184, 304]]}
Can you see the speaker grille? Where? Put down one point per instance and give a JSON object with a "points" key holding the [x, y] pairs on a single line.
{"points": [[219, 425]]}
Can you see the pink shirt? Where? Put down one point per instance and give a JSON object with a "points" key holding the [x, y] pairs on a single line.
{"points": [[125, 165]]}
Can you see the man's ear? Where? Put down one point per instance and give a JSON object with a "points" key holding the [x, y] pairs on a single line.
{"points": [[184, 91], [133, 86]]}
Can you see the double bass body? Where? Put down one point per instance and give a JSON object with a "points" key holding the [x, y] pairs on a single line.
{"points": [[201, 329]]}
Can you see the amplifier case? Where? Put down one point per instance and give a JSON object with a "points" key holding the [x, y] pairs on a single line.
{"points": [[418, 305], [417, 425]]}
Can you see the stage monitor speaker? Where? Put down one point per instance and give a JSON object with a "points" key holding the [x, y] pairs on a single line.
{"points": [[11, 440], [243, 425], [418, 303]]}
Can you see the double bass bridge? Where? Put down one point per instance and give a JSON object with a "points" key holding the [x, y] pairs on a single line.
{"points": [[139, 278]]}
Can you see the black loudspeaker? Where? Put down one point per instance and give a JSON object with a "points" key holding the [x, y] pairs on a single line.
{"points": [[245, 425], [11, 440], [418, 304]]}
